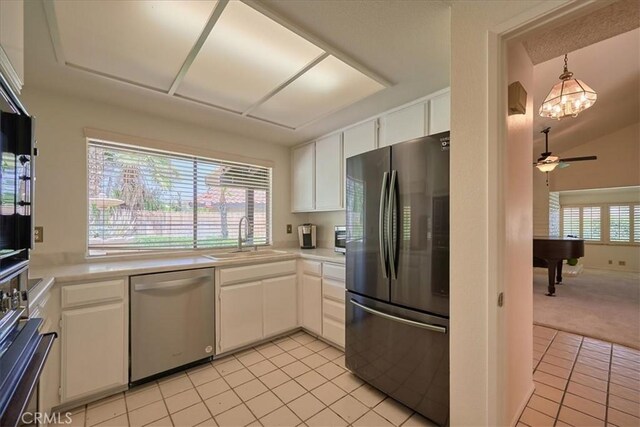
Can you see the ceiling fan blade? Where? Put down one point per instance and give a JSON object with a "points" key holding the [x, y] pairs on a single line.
{"points": [[579, 159]]}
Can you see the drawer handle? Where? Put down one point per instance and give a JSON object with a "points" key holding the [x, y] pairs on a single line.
{"points": [[435, 328], [170, 283]]}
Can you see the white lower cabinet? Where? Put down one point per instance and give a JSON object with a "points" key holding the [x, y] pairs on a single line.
{"points": [[94, 342], [254, 302], [240, 314], [333, 303], [312, 303], [280, 307]]}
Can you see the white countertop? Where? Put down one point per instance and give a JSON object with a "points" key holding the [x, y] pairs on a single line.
{"points": [[106, 269]]}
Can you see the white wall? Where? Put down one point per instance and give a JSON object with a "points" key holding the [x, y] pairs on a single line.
{"points": [[475, 388], [325, 222], [540, 204], [61, 194], [518, 307], [618, 163]]}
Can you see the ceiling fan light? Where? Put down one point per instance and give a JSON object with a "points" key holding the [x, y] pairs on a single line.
{"points": [[568, 98], [547, 167]]}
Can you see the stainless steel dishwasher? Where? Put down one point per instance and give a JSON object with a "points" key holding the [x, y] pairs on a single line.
{"points": [[172, 321]]}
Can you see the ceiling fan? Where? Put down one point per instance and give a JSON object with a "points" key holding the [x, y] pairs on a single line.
{"points": [[546, 162]]}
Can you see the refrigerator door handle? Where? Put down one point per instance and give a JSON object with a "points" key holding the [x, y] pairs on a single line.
{"points": [[391, 241], [434, 328], [381, 226]]}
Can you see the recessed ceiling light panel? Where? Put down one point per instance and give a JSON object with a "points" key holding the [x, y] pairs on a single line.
{"points": [[246, 56], [328, 86], [144, 42]]}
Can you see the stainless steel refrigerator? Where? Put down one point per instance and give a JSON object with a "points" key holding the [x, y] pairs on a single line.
{"points": [[397, 264]]}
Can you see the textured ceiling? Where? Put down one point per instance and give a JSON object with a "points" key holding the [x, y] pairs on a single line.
{"points": [[406, 42], [612, 68], [617, 18]]}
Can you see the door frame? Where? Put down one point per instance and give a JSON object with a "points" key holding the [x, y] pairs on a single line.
{"points": [[498, 38]]}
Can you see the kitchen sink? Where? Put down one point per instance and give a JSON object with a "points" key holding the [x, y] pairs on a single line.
{"points": [[246, 254]]}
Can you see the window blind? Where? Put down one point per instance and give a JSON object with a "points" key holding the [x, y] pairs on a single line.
{"points": [[619, 223], [142, 199]]}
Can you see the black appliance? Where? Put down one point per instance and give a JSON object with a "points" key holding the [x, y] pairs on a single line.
{"points": [[397, 272], [23, 350], [340, 239]]}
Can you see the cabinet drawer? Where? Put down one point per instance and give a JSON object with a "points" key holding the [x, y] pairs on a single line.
{"points": [[333, 331], [256, 272], [333, 289], [312, 267], [91, 293], [333, 309], [334, 271]]}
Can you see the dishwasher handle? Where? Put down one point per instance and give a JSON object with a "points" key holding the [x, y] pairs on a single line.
{"points": [[168, 284]]}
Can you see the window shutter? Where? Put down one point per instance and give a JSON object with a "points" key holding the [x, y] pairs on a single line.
{"points": [[143, 199], [636, 223], [591, 223], [619, 223], [570, 222]]}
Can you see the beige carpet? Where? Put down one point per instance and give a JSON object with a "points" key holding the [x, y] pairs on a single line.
{"points": [[597, 303]]}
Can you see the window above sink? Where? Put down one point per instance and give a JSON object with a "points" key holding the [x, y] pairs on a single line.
{"points": [[149, 200]]}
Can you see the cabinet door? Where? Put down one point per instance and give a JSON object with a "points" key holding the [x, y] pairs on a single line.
{"points": [[94, 350], [12, 42], [303, 178], [329, 173], [403, 125], [240, 315], [440, 113], [312, 303], [360, 139], [280, 304]]}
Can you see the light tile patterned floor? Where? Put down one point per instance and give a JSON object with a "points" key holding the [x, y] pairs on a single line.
{"points": [[295, 380], [581, 381]]}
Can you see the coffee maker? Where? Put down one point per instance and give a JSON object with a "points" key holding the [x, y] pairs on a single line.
{"points": [[307, 236]]}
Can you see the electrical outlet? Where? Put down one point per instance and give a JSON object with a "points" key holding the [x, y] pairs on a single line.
{"points": [[38, 234], [289, 229], [623, 263]]}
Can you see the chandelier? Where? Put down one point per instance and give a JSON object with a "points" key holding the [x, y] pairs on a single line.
{"points": [[568, 98]]}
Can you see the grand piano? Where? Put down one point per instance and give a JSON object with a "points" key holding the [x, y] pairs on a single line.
{"points": [[549, 252]]}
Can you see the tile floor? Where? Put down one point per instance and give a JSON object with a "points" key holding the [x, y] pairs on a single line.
{"points": [[582, 381], [291, 381]]}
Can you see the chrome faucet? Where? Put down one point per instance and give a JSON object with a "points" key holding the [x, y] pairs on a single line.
{"points": [[246, 232]]}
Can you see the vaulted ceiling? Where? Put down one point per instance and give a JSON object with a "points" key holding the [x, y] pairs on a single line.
{"points": [[612, 68]]}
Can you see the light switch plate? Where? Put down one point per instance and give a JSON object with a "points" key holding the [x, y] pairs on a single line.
{"points": [[289, 229]]}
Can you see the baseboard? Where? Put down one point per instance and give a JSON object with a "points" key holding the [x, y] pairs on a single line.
{"points": [[523, 405]]}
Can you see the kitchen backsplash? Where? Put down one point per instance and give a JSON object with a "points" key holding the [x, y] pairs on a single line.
{"points": [[325, 222]]}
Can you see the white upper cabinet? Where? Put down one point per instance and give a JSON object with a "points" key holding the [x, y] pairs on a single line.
{"points": [[360, 139], [440, 113], [404, 124], [329, 173], [303, 178], [12, 42]]}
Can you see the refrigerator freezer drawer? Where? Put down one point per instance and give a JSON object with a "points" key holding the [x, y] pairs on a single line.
{"points": [[403, 353]]}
